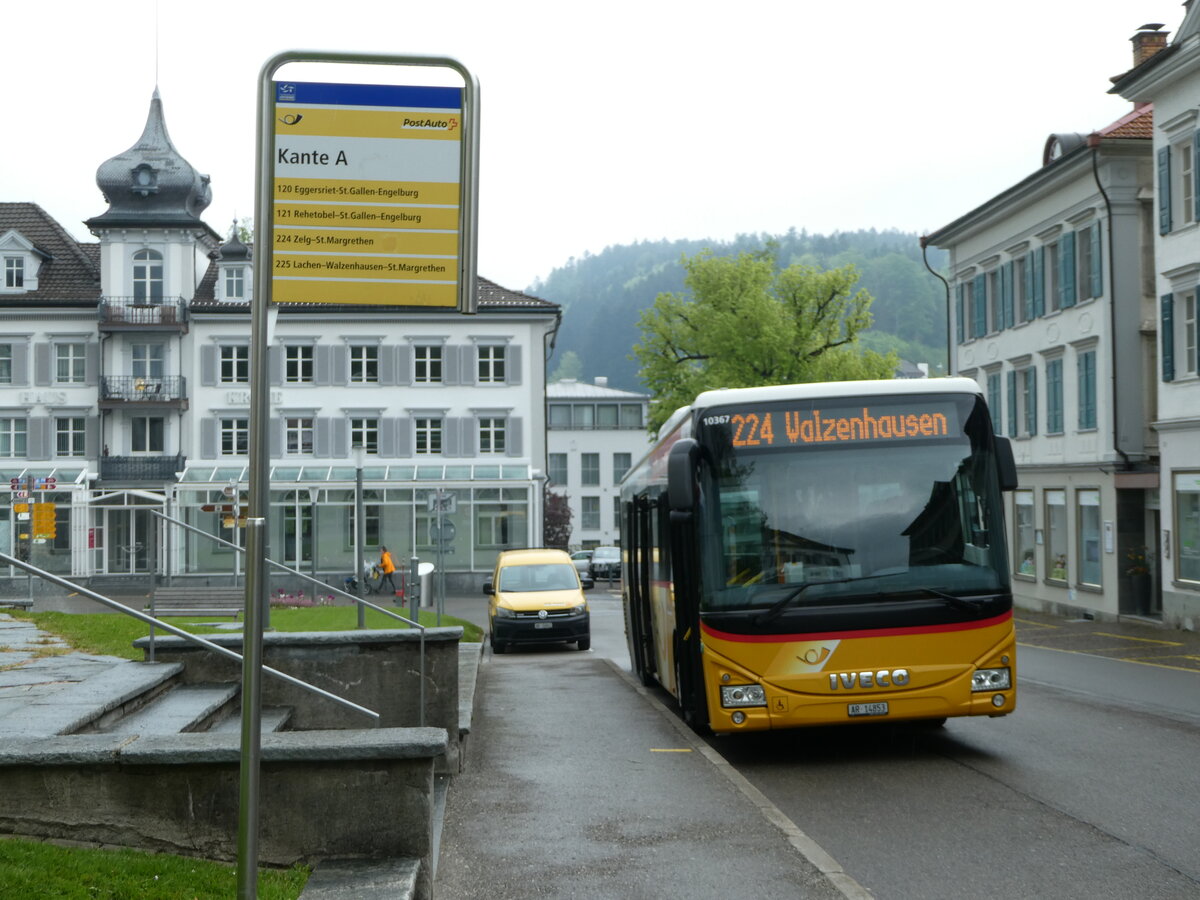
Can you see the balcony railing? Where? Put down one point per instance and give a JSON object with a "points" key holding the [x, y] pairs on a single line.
{"points": [[135, 313], [123, 390], [141, 468]]}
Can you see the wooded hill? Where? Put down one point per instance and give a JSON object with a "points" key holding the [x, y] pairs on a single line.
{"points": [[603, 295]]}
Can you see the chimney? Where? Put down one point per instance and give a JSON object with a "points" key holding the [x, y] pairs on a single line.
{"points": [[601, 381], [1148, 41]]}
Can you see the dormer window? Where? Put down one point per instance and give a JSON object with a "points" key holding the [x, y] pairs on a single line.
{"points": [[145, 180], [14, 273], [147, 277], [235, 283]]}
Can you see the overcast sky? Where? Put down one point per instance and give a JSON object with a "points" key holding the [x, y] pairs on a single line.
{"points": [[603, 123]]}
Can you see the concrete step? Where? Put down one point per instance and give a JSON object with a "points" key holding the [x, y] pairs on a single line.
{"points": [[82, 703], [187, 707], [274, 718], [361, 879]]}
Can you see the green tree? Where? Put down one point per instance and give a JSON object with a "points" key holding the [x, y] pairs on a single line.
{"points": [[749, 323], [556, 521], [569, 366]]}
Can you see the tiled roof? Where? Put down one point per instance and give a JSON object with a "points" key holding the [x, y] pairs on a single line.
{"points": [[70, 271], [1137, 124]]}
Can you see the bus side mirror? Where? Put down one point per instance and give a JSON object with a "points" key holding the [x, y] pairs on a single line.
{"points": [[1006, 465], [682, 464]]}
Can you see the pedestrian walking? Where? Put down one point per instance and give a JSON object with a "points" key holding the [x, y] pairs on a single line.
{"points": [[387, 569]]}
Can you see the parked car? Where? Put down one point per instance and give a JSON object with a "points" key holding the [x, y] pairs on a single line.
{"points": [[536, 597], [606, 562], [581, 558]]}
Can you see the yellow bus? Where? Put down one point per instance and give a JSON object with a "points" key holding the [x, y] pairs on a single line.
{"points": [[823, 553]]}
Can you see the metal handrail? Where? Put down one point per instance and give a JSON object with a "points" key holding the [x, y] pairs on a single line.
{"points": [[179, 632], [359, 600]]}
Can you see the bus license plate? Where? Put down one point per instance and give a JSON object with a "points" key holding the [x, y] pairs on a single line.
{"points": [[543, 624], [868, 709]]}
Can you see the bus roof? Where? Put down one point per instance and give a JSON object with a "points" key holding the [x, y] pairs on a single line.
{"points": [[826, 389]]}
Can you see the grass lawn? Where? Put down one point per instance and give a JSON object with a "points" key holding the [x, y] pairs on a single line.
{"points": [[31, 870], [113, 634]]}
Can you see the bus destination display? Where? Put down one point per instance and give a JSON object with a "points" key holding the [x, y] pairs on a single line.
{"points": [[366, 194], [775, 426]]}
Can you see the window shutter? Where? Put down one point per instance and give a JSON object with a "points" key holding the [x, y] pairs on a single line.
{"points": [[1031, 401], [208, 365], [387, 365], [1054, 396], [404, 365], [1097, 274], [208, 438], [469, 363], [1066, 270], [339, 362], [387, 438], [450, 436], [512, 364], [275, 364], [1196, 176], [1087, 390], [403, 446], [276, 438], [322, 366], [470, 437], [91, 437], [979, 307], [41, 364], [20, 363], [1039, 282], [91, 363], [450, 371], [38, 442], [1012, 404], [512, 437], [959, 311], [1006, 295], [322, 432], [1168, 337], [339, 439], [1164, 190], [1028, 311]]}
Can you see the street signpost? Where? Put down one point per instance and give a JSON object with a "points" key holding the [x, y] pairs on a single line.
{"points": [[366, 194]]}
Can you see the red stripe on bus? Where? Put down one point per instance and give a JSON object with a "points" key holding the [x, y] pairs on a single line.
{"points": [[863, 632]]}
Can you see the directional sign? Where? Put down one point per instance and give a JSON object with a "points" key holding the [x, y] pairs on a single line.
{"points": [[367, 194], [443, 502]]}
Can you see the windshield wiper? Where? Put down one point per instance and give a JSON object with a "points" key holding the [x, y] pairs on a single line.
{"points": [[972, 606], [780, 605]]}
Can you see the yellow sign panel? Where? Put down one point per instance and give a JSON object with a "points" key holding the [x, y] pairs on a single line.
{"points": [[367, 194]]}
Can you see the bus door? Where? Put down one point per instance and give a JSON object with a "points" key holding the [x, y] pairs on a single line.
{"points": [[640, 588]]}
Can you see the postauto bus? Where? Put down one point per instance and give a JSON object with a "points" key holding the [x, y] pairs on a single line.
{"points": [[823, 553]]}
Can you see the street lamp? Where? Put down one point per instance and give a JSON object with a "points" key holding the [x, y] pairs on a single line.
{"points": [[359, 576]]}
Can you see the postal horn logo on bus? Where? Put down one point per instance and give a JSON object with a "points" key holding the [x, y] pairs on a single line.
{"points": [[880, 678], [811, 656]]}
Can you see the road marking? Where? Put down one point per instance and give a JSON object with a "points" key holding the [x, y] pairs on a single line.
{"points": [[670, 749], [1140, 662], [1034, 624], [1126, 637]]}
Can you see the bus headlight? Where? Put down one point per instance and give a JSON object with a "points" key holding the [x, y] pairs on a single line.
{"points": [[743, 695], [991, 680]]}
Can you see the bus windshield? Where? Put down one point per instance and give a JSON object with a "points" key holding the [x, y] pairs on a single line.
{"points": [[839, 501]]}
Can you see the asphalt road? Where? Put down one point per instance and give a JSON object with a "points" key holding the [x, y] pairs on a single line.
{"points": [[1090, 790]]}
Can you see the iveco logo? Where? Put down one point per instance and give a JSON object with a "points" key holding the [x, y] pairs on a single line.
{"points": [[542, 614], [882, 678]]}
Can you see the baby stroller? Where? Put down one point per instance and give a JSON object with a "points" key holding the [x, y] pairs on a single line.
{"points": [[370, 573]]}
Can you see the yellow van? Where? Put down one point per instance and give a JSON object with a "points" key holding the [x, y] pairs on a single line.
{"points": [[536, 597]]}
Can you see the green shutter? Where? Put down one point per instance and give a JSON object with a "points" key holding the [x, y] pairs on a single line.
{"points": [[1031, 401], [1087, 390], [960, 328], [1164, 190], [1168, 337], [1054, 416], [1007, 293], [1196, 175], [1039, 282], [1066, 270], [1028, 311], [1096, 276], [979, 307], [1012, 404]]}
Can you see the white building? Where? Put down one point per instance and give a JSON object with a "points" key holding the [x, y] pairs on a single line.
{"points": [[124, 376], [1170, 80], [595, 435], [1052, 313]]}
